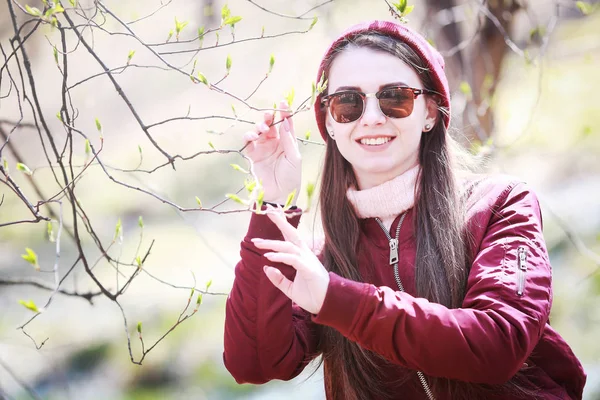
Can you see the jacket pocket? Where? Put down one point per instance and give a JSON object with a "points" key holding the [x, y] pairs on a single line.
{"points": [[521, 269]]}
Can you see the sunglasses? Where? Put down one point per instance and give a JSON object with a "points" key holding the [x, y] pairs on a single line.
{"points": [[394, 102]]}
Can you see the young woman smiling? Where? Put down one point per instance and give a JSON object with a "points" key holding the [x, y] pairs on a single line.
{"points": [[432, 283]]}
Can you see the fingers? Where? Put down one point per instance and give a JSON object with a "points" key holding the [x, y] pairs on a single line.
{"points": [[276, 245], [287, 114], [281, 282], [289, 232], [270, 132], [293, 260], [288, 141]]}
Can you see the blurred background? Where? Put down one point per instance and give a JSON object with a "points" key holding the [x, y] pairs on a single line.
{"points": [[524, 76]]}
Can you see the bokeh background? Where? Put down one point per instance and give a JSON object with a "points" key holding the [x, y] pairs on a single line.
{"points": [[546, 131]]}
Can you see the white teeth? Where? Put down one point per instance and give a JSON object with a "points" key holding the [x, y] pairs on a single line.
{"points": [[375, 141]]}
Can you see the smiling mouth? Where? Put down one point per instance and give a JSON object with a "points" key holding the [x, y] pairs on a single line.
{"points": [[375, 141]]}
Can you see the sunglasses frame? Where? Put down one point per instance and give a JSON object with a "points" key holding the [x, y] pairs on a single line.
{"points": [[364, 96]]}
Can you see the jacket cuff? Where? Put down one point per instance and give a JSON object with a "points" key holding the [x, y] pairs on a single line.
{"points": [[344, 301], [262, 227]]}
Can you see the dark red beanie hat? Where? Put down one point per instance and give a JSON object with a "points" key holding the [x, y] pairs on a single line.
{"points": [[432, 58]]}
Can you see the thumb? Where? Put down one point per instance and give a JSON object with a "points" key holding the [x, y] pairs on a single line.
{"points": [[279, 280]]}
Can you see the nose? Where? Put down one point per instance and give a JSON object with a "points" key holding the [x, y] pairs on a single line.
{"points": [[372, 115]]}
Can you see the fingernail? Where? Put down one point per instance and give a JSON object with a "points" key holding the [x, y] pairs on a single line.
{"points": [[263, 127], [286, 125]]}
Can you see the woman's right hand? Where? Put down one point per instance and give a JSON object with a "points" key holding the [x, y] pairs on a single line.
{"points": [[276, 157]]}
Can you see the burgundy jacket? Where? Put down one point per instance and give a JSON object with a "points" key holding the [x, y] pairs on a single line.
{"points": [[501, 328]]}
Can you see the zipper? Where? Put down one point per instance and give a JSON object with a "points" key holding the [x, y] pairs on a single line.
{"points": [[393, 243], [521, 269]]}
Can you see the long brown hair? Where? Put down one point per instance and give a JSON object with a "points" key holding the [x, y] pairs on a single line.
{"points": [[442, 243]]}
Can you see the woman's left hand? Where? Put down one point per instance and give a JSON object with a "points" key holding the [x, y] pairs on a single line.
{"points": [[312, 279]]}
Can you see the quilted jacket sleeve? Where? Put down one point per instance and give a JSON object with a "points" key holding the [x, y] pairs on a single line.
{"points": [[487, 340], [266, 336]]}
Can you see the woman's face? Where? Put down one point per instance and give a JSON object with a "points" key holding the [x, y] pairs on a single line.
{"points": [[369, 71]]}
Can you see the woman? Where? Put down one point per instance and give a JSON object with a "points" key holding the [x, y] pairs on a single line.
{"points": [[431, 283]]}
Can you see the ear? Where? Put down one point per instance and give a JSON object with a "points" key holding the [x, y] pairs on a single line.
{"points": [[432, 111], [328, 123]]}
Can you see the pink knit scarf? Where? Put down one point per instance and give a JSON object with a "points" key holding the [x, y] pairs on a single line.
{"points": [[387, 200]]}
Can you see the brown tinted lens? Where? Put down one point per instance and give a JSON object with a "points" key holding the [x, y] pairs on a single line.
{"points": [[397, 102], [346, 107]]}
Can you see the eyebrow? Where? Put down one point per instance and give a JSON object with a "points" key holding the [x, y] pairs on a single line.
{"points": [[393, 84]]}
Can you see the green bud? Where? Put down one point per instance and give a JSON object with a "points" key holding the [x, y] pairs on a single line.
{"points": [[271, 63], [31, 258], [24, 169], [30, 305], [118, 229], [228, 63], [202, 78], [238, 168], [139, 328], [236, 198], [290, 199]]}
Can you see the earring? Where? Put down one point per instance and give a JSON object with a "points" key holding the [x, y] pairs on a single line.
{"points": [[332, 135], [427, 127]]}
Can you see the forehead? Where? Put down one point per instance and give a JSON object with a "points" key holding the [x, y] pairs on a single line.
{"points": [[369, 69]]}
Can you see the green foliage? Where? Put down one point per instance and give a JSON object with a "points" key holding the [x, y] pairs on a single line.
{"points": [[24, 169], [289, 97], [31, 258], [260, 199], [179, 27], [402, 9], [228, 64], [465, 89], [30, 305], [33, 11], [50, 232], [236, 198], [585, 7], [290, 200], [98, 125], [238, 168], [227, 18], [271, 63], [118, 230], [203, 79]]}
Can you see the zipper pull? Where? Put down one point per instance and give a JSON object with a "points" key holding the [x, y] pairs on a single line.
{"points": [[522, 258], [393, 251]]}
